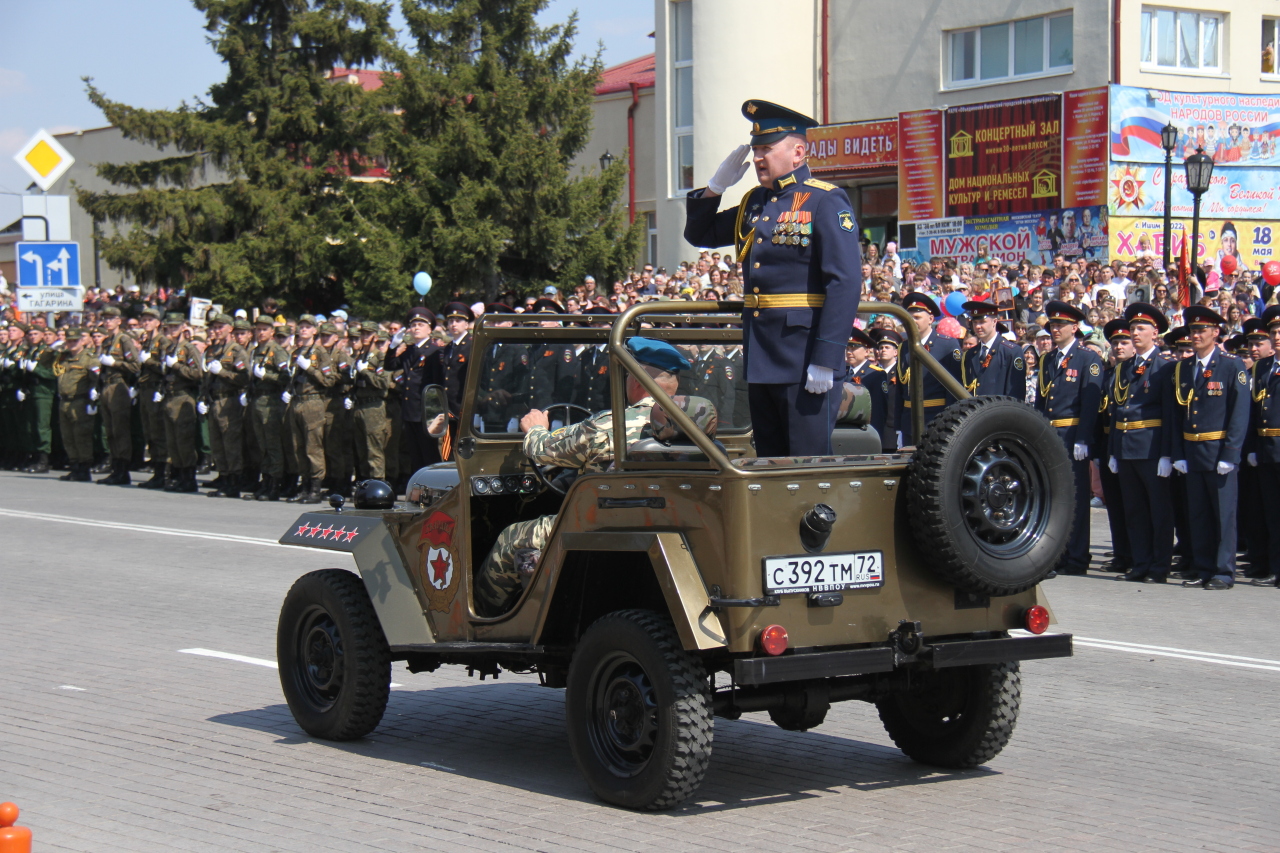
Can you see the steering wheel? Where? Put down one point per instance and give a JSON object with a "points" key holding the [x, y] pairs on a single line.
{"points": [[548, 474]]}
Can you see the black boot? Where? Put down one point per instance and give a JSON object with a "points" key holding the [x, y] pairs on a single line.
{"points": [[265, 485], [72, 469], [112, 479], [40, 465], [189, 484], [231, 488], [272, 490], [303, 492], [158, 479], [205, 465], [80, 472], [288, 486], [122, 473], [316, 494]]}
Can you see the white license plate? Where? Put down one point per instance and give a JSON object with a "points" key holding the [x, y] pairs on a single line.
{"points": [[824, 572]]}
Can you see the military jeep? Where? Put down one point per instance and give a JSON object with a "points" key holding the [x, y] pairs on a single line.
{"points": [[692, 579]]}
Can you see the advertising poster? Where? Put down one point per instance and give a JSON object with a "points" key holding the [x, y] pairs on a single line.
{"points": [[1036, 236], [1004, 156], [920, 165], [1252, 243], [837, 148], [1240, 193], [1084, 147], [1233, 129]]}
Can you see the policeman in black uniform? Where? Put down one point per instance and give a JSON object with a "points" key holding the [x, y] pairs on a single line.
{"points": [[1212, 417], [946, 349], [1069, 394], [1253, 524], [888, 347], [797, 241], [418, 361], [1263, 443], [995, 366], [455, 356], [862, 370], [552, 370], [592, 389], [503, 367], [1117, 334]]}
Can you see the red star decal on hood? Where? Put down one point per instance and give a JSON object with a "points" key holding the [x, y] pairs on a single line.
{"points": [[352, 534], [439, 569], [324, 534], [337, 534], [302, 530]]}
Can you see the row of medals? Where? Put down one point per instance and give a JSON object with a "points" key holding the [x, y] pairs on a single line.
{"points": [[793, 228]]}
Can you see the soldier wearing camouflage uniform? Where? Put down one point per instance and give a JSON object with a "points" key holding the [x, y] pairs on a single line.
{"points": [[182, 376], [151, 352], [40, 397], [372, 384], [251, 454], [585, 446], [338, 451], [269, 366], [76, 369], [119, 361], [307, 397], [226, 375]]}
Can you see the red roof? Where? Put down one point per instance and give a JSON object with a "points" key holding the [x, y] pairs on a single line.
{"points": [[618, 78], [368, 79]]}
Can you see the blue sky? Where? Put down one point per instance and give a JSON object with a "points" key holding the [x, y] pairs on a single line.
{"points": [[153, 54]]}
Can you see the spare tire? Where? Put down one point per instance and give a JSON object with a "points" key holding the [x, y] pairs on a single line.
{"points": [[991, 495]]}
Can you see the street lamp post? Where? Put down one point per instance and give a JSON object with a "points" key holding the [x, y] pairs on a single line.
{"points": [[1169, 140], [1199, 170], [606, 160]]}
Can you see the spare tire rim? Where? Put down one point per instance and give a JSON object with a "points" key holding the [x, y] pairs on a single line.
{"points": [[622, 720], [320, 658], [1002, 493]]}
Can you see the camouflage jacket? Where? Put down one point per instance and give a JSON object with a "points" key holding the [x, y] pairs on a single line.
{"points": [[586, 445], [76, 372]]}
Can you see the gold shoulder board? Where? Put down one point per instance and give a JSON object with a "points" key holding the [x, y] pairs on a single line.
{"points": [[817, 184]]}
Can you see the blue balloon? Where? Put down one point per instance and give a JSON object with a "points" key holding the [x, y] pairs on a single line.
{"points": [[954, 303], [422, 283], [1015, 289]]}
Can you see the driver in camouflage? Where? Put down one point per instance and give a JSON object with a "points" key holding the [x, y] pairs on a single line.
{"points": [[584, 446]]}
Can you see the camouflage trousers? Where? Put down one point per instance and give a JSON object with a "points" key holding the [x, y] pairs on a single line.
{"points": [[153, 421], [226, 434], [116, 406], [267, 413], [498, 583], [76, 425], [181, 431], [371, 432]]}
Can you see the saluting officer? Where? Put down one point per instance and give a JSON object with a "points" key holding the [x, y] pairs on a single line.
{"points": [[1118, 336], [1211, 417], [416, 367], [862, 370], [1263, 442], [1069, 386], [994, 367], [946, 349], [797, 241]]}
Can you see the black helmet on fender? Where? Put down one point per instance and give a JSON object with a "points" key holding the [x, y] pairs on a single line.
{"points": [[374, 494]]}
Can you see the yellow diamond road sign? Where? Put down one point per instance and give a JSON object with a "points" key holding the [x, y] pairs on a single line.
{"points": [[44, 159]]}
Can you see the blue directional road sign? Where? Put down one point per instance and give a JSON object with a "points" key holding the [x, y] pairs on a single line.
{"points": [[48, 264]]}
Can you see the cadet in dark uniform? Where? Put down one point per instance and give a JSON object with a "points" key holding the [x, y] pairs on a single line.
{"points": [[1069, 393], [269, 367], [119, 361], [311, 378], [552, 370], [44, 390], [1179, 343], [994, 367], [183, 372], [944, 348], [77, 371], [1255, 531], [592, 389], [888, 345], [862, 370], [1142, 443], [455, 356], [504, 366], [712, 377], [1263, 443], [797, 241], [1212, 416], [151, 351], [1118, 336], [418, 366]]}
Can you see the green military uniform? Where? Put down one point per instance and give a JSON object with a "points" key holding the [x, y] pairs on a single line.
{"points": [[370, 423], [338, 447], [269, 366], [226, 380], [119, 360], [76, 374], [13, 438], [308, 391], [151, 352], [44, 388], [183, 371]]}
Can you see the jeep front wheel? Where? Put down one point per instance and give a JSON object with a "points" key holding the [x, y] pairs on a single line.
{"points": [[335, 667], [957, 718], [638, 708]]}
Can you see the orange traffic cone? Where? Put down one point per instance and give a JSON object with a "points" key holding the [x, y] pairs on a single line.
{"points": [[13, 839]]}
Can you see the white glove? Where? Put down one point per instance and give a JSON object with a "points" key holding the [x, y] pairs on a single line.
{"points": [[731, 170], [93, 394], [133, 393], [397, 339], [144, 356], [818, 379], [157, 397], [1164, 467], [56, 344], [513, 425], [1113, 465], [1225, 467], [106, 360], [22, 395], [1080, 452], [362, 366], [244, 398], [6, 362], [347, 404], [1180, 466], [202, 407], [28, 365], [1253, 460], [898, 434], [260, 371], [303, 362], [215, 367], [286, 396], [170, 360], [92, 410]]}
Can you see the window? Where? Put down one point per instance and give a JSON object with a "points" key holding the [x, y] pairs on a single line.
{"points": [[1270, 37], [1182, 40], [651, 227], [1012, 50], [682, 93]]}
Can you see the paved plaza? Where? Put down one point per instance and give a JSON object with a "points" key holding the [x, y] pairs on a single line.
{"points": [[140, 711]]}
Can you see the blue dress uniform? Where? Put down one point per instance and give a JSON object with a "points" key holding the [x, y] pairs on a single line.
{"points": [[873, 377], [1262, 446], [1141, 394], [1115, 332], [1211, 420], [1069, 394], [798, 244], [946, 350], [995, 368], [1254, 498]]}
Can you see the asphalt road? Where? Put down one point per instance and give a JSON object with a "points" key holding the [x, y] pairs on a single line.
{"points": [[115, 736]]}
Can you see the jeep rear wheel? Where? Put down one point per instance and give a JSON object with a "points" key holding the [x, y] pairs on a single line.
{"points": [[957, 718], [335, 667], [638, 708]]}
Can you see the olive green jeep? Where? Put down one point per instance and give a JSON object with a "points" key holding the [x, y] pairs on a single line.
{"points": [[691, 579]]}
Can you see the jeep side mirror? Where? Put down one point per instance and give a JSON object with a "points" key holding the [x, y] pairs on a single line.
{"points": [[434, 403]]}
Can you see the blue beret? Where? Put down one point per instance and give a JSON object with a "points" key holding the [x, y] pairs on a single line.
{"points": [[659, 354]]}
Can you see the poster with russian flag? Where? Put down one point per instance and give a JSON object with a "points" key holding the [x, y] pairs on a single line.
{"points": [[1234, 129]]}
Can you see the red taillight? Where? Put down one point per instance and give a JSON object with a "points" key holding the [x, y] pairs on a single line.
{"points": [[774, 640], [1036, 619]]}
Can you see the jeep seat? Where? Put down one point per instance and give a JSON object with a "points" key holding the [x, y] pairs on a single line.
{"points": [[664, 441], [854, 435]]}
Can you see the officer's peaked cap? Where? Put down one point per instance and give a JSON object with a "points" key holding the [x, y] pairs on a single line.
{"points": [[771, 122], [1145, 312], [916, 301]]}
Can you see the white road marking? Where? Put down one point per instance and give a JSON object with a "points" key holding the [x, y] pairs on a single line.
{"points": [[435, 766], [210, 653], [72, 687], [1183, 654], [141, 528]]}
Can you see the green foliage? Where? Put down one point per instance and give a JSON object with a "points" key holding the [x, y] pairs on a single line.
{"points": [[257, 194]]}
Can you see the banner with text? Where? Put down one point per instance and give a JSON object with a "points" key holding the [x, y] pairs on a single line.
{"points": [[859, 145], [1084, 147], [1004, 157], [920, 171], [1252, 243], [1138, 190], [1012, 237], [1233, 129]]}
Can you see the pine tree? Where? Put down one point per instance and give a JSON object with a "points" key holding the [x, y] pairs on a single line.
{"points": [[250, 194]]}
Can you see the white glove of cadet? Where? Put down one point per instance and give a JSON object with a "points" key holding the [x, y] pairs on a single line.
{"points": [[202, 407], [22, 395], [1226, 467], [1180, 466], [731, 170], [1253, 460], [818, 379], [362, 366], [215, 367], [133, 393], [144, 356], [260, 371], [898, 435], [304, 362], [1113, 465], [157, 397], [244, 398], [92, 410], [1080, 452], [28, 365], [93, 394], [170, 360], [1164, 467], [106, 360], [347, 404], [286, 396]]}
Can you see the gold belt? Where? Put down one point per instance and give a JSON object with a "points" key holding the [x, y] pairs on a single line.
{"points": [[1204, 436], [783, 300], [1065, 422], [928, 404], [1268, 432], [1127, 425]]}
